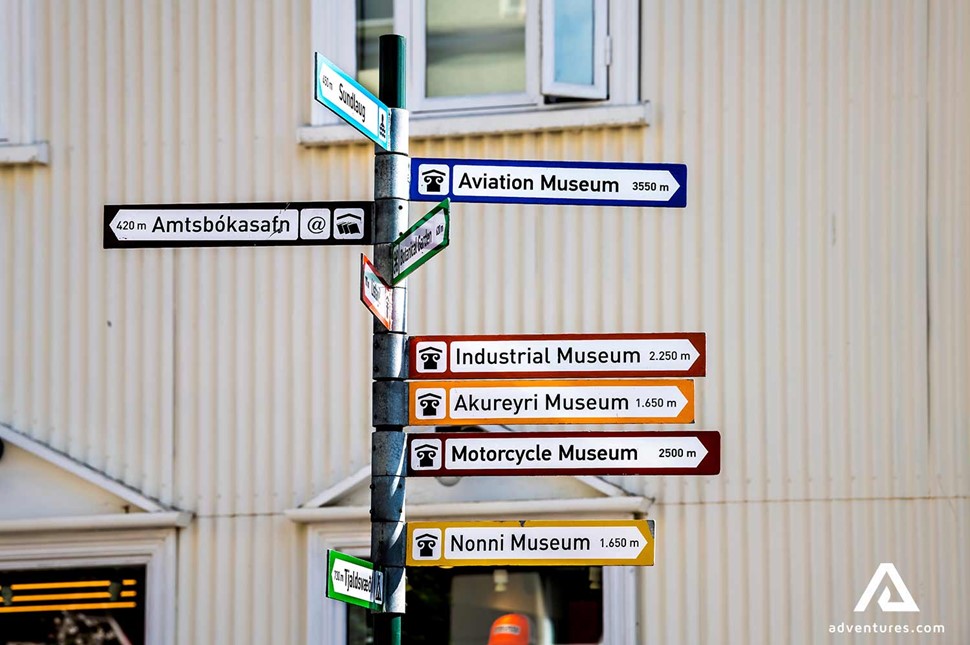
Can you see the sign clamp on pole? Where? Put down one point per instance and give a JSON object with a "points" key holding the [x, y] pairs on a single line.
{"points": [[389, 394]]}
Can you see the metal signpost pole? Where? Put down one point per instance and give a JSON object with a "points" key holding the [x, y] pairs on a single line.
{"points": [[390, 395]]}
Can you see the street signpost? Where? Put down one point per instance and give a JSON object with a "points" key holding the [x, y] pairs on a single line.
{"points": [[374, 292], [421, 242], [561, 401], [381, 585], [388, 481], [463, 454], [501, 181], [558, 356], [639, 357], [531, 543], [351, 101], [354, 581], [136, 226]]}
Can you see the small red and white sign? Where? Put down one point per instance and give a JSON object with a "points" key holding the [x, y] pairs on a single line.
{"points": [[438, 454], [374, 292], [558, 356]]}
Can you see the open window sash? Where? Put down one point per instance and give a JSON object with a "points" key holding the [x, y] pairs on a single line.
{"points": [[574, 48]]}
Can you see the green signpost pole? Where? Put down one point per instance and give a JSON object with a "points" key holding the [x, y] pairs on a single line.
{"points": [[392, 174]]}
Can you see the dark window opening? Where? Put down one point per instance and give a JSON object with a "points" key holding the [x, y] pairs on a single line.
{"points": [[459, 606], [82, 606]]}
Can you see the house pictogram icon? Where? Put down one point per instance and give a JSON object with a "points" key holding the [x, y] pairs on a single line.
{"points": [[429, 405], [432, 180], [429, 359]]}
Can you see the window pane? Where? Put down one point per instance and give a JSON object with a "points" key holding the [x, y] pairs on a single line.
{"points": [[374, 19], [574, 41], [90, 605], [475, 47], [360, 626]]}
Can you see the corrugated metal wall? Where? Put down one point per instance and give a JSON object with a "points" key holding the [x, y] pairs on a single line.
{"points": [[823, 252], [948, 230]]}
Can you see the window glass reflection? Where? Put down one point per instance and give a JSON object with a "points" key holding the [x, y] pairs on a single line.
{"points": [[574, 41], [375, 18], [89, 606], [544, 605], [475, 47]]}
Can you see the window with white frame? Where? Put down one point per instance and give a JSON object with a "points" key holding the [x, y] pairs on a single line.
{"points": [[104, 604], [467, 56], [17, 60], [104, 583], [562, 605]]}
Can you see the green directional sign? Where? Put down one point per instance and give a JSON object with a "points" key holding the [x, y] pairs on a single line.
{"points": [[354, 581], [421, 242]]}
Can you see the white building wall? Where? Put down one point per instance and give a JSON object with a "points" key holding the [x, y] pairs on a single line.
{"points": [[823, 252], [948, 232]]}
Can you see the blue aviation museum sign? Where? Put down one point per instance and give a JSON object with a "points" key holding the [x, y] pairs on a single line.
{"points": [[586, 183]]}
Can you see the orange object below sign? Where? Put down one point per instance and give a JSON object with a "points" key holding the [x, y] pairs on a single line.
{"points": [[558, 401]]}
